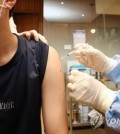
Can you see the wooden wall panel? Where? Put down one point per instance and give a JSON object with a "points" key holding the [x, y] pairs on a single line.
{"points": [[28, 5], [29, 15], [26, 22]]}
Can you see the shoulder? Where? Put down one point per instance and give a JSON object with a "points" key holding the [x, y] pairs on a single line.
{"points": [[53, 59], [38, 50], [53, 53], [32, 45]]}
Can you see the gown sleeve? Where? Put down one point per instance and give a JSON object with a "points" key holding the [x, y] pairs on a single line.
{"points": [[114, 74], [112, 116]]}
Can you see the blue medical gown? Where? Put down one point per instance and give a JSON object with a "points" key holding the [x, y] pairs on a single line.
{"points": [[112, 115]]}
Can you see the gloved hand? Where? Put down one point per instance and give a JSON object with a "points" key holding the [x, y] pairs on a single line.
{"points": [[33, 34], [93, 58], [88, 90]]}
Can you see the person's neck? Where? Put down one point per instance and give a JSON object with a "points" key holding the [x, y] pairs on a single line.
{"points": [[8, 45]]}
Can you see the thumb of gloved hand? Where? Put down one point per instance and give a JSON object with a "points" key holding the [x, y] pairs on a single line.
{"points": [[93, 58], [86, 89]]}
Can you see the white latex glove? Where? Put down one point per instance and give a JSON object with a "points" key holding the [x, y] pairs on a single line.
{"points": [[88, 90], [93, 58]]}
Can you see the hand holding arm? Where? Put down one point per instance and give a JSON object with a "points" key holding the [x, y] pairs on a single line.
{"points": [[86, 89], [34, 35]]}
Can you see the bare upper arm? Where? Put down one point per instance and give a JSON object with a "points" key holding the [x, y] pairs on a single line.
{"points": [[53, 96]]}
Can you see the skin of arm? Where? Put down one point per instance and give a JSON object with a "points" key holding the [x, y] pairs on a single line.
{"points": [[53, 96]]}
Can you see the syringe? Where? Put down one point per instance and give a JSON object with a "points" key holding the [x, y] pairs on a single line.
{"points": [[67, 55], [72, 51]]}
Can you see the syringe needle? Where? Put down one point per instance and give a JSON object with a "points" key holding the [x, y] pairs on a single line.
{"points": [[67, 54], [70, 53]]}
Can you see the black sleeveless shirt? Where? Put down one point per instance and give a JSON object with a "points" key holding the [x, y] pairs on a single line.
{"points": [[20, 88]]}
